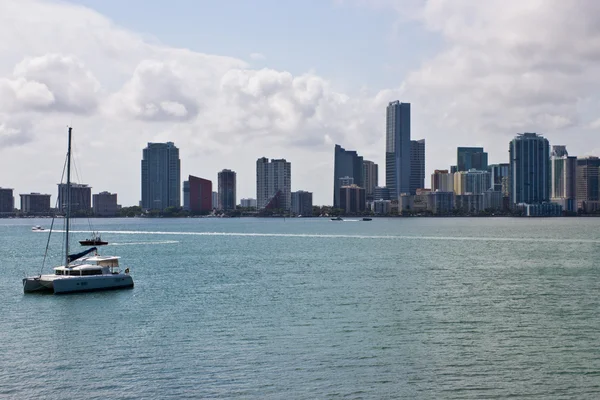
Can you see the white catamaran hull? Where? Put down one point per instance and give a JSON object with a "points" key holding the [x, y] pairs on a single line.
{"points": [[73, 284]]}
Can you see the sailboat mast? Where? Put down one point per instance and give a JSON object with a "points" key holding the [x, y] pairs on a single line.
{"points": [[68, 214]]}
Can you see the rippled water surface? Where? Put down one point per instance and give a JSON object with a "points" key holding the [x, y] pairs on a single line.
{"points": [[312, 309]]}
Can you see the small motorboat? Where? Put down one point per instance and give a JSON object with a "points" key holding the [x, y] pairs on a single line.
{"points": [[367, 219], [337, 219], [96, 240], [37, 228]]}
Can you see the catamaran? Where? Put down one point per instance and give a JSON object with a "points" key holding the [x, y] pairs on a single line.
{"points": [[84, 271]]}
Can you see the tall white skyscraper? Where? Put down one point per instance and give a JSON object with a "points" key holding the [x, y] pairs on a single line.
{"points": [[161, 183], [397, 149], [273, 184]]}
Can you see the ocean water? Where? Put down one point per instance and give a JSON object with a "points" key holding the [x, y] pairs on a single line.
{"points": [[421, 308]]}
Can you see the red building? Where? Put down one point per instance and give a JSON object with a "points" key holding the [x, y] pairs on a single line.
{"points": [[200, 194]]}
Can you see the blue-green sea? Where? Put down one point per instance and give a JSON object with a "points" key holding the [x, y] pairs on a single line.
{"points": [[406, 308]]}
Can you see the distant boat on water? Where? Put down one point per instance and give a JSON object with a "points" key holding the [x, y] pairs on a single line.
{"points": [[337, 219], [38, 228], [367, 219], [96, 240]]}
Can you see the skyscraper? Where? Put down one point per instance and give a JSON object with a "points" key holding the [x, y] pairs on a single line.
{"points": [[529, 172], [588, 185], [273, 182], [346, 163], [397, 149], [227, 188], [471, 158], [199, 195], [417, 165], [563, 189], [370, 177], [161, 183]]}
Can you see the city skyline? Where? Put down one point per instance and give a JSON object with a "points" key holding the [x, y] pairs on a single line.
{"points": [[228, 101]]}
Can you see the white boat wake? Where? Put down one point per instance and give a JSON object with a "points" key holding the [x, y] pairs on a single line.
{"points": [[344, 236]]}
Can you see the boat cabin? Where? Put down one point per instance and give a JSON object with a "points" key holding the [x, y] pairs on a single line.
{"points": [[95, 265]]}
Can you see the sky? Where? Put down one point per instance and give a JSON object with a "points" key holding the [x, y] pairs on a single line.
{"points": [[230, 82]]}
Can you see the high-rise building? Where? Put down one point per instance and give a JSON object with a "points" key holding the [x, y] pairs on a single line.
{"points": [[302, 203], [346, 163], [370, 177], [105, 204], [529, 171], [588, 190], [81, 197], [273, 179], [199, 195], [7, 201], [497, 172], [381, 193], [472, 181], [35, 203], [417, 165], [227, 190], [442, 181], [563, 189], [471, 158], [161, 173], [441, 202], [352, 199], [397, 149]]}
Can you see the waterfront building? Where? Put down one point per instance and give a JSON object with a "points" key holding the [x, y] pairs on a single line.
{"points": [[381, 207], [497, 173], [199, 193], [302, 203], [7, 201], [472, 181], [468, 158], [105, 204], [352, 199], [370, 177], [347, 163], [470, 203], [529, 170], [273, 178], [397, 149], [493, 200], [161, 170], [417, 165], [35, 204], [540, 209], [81, 197], [441, 202], [563, 189], [248, 203], [381, 193], [588, 185], [227, 190], [442, 180]]}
